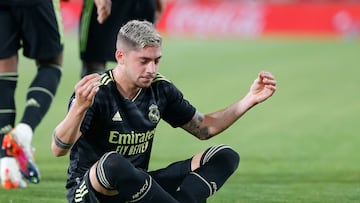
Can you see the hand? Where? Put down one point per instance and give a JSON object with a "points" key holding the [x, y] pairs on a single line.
{"points": [[263, 87], [86, 89], [159, 9], [103, 10]]}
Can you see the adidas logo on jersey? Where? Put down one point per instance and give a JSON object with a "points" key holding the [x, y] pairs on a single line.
{"points": [[117, 117]]}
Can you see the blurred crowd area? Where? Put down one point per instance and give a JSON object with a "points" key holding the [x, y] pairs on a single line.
{"points": [[275, 1], [257, 1], [248, 18]]}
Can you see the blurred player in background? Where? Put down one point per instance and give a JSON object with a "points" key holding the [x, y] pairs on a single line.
{"points": [[100, 22], [36, 27], [111, 123]]}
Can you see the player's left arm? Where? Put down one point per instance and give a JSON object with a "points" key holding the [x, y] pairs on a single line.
{"points": [[209, 125], [68, 130]]}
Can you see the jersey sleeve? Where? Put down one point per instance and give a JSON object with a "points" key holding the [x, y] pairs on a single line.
{"points": [[178, 110]]}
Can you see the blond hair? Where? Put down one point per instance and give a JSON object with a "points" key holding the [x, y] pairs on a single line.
{"points": [[136, 34]]}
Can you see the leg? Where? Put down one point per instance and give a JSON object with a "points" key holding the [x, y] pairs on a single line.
{"points": [[8, 82], [39, 98], [92, 67], [210, 171], [9, 170], [115, 175], [92, 41], [171, 177], [83, 192], [42, 90], [48, 28], [48, 55]]}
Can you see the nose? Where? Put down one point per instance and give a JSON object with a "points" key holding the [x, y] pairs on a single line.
{"points": [[151, 67]]}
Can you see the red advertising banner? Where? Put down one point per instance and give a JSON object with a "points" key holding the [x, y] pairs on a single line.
{"points": [[252, 19], [216, 17], [238, 18], [330, 18], [70, 11]]}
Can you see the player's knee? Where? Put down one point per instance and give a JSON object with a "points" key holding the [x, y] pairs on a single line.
{"points": [[9, 64], [114, 169], [57, 60], [231, 157], [114, 162], [223, 154]]}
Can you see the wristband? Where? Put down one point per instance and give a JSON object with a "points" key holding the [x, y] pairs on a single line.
{"points": [[60, 143]]}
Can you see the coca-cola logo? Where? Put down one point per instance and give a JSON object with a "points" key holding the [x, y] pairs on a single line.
{"points": [[218, 18]]}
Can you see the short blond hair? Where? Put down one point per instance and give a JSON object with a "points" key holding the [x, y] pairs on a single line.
{"points": [[137, 34]]}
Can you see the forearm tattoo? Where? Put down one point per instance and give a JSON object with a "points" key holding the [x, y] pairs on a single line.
{"points": [[60, 143], [195, 127]]}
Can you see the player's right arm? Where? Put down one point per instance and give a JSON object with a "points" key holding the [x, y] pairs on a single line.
{"points": [[205, 126], [68, 130]]}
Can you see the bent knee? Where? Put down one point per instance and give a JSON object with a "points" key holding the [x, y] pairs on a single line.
{"points": [[224, 153]]}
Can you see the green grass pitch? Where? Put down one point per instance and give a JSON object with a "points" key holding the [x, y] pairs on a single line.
{"points": [[302, 145]]}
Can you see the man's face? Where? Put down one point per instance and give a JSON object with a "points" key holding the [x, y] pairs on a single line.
{"points": [[142, 65]]}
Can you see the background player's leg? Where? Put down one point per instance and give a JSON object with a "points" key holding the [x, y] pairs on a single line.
{"points": [[93, 40], [38, 100], [41, 93], [9, 170], [91, 67], [8, 83]]}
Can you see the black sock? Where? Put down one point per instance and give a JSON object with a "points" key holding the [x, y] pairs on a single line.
{"points": [[114, 172], [217, 165], [8, 83], [173, 175], [40, 94]]}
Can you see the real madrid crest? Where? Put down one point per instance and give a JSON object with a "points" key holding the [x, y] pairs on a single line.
{"points": [[154, 113]]}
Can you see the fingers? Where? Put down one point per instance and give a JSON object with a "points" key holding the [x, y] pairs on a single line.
{"points": [[87, 87], [88, 79], [267, 79], [103, 10], [103, 14]]}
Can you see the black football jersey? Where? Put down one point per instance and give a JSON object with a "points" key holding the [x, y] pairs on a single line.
{"points": [[114, 123]]}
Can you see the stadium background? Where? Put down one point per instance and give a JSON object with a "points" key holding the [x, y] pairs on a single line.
{"points": [[300, 146], [249, 18]]}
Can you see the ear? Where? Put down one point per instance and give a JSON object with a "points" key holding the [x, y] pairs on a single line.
{"points": [[120, 56]]}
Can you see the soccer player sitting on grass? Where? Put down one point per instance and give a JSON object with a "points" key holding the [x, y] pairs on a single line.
{"points": [[110, 127]]}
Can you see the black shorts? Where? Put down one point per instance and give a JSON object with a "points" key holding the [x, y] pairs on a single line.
{"points": [[168, 178], [98, 41], [36, 28]]}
